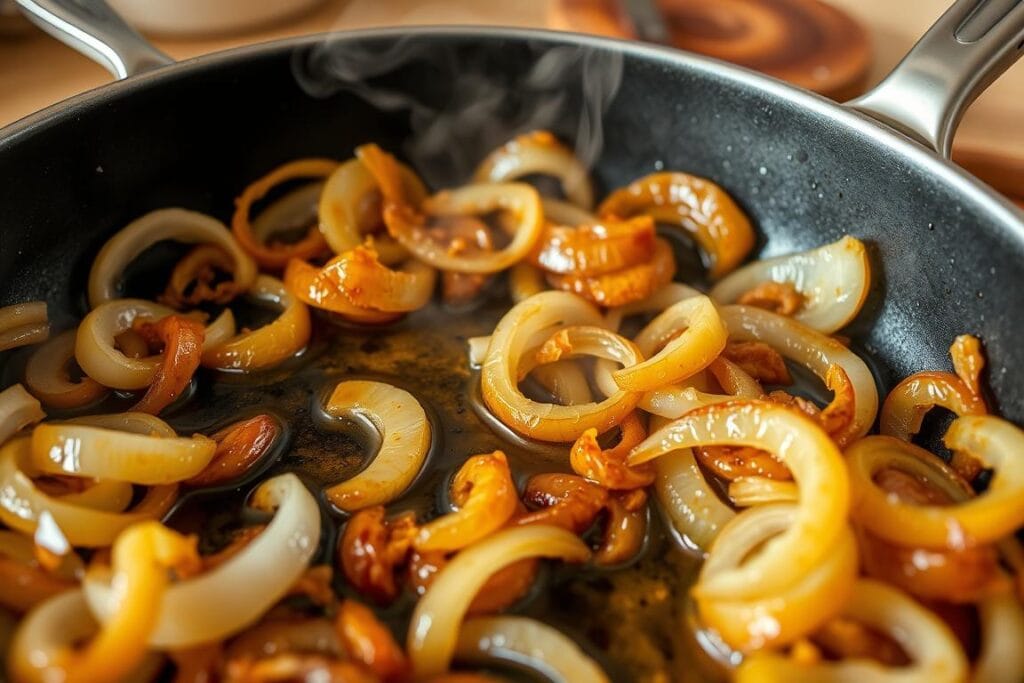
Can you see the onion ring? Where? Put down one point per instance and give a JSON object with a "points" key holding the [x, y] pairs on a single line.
{"points": [[163, 224], [538, 152], [18, 409], [696, 513], [833, 279], [405, 438], [48, 378], [564, 380], [23, 324]]}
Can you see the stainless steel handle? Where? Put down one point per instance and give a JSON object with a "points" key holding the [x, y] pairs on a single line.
{"points": [[966, 50], [98, 32]]}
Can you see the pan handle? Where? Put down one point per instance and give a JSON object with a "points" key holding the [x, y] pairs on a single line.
{"points": [[970, 46], [95, 30]]}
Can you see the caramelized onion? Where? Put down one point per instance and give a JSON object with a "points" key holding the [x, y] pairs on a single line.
{"points": [[226, 599], [109, 454], [541, 315], [276, 255], [564, 213], [369, 284], [23, 324], [936, 655], [702, 208], [163, 224], [538, 152], [817, 468], [18, 409], [525, 642], [756, 490], [182, 341], [372, 547], [240, 446], [369, 642], [608, 466], [696, 512], [811, 349], [434, 628], [625, 528], [991, 515], [672, 293], [199, 266], [319, 287], [594, 248], [909, 401], [833, 280], [48, 376], [624, 286], [271, 344], [564, 380], [405, 437], [24, 582]]}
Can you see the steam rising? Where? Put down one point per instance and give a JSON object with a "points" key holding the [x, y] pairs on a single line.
{"points": [[460, 104]]}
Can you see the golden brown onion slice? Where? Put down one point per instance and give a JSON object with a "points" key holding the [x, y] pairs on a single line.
{"points": [[624, 286], [176, 224], [18, 409], [833, 280], [538, 152], [595, 248], [564, 380], [199, 266], [434, 628], [319, 288], [271, 344], [816, 465], [405, 437], [525, 642], [224, 600], [991, 515], [702, 208], [23, 324], [936, 655], [370, 284], [815, 351], [85, 451], [48, 376]]}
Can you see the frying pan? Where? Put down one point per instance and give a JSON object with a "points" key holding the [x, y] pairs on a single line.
{"points": [[948, 253]]}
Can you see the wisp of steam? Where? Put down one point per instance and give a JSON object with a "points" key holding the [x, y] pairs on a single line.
{"points": [[563, 87]]}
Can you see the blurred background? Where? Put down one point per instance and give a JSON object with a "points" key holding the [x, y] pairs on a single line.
{"points": [[837, 48]]}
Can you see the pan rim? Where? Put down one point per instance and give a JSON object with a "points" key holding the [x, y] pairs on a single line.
{"points": [[999, 208]]}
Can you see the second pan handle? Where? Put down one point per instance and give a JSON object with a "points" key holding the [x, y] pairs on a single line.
{"points": [[970, 46], [94, 29]]}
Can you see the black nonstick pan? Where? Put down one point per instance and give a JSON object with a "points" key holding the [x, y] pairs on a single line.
{"points": [[947, 251]]}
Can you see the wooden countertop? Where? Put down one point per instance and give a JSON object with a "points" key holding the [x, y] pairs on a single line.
{"points": [[36, 71]]}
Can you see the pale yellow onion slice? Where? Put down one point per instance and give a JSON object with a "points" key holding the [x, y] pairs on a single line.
{"points": [[404, 439], [515, 336], [296, 209], [190, 227], [696, 512], [18, 409], [565, 381], [47, 375], [564, 213], [777, 617], [22, 504], [108, 496], [85, 451], [989, 516], [97, 355], [747, 491], [267, 346], [519, 199], [525, 280], [833, 279], [673, 356], [132, 422], [525, 642], [1002, 631], [935, 653], [226, 599], [538, 152], [812, 349], [342, 205], [434, 627], [672, 293], [817, 467], [23, 324]]}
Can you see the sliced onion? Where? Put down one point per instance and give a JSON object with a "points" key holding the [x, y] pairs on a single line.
{"points": [[1002, 632], [624, 286], [404, 436], [271, 344], [108, 496], [515, 336], [833, 279], [177, 224], [370, 284], [182, 341], [935, 653], [18, 409], [350, 205], [690, 335], [226, 599], [775, 618], [525, 280], [564, 213], [815, 351], [23, 324], [988, 517], [565, 381], [817, 468], [198, 269], [526, 642], [297, 208], [672, 293], [276, 255], [434, 628], [22, 504], [85, 451], [754, 490], [47, 375], [538, 152], [134, 423], [702, 208], [594, 248], [696, 512], [319, 288]]}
